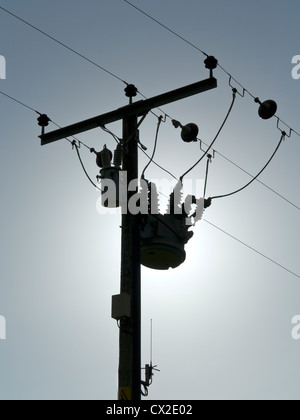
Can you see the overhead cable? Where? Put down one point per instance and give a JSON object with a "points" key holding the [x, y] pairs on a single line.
{"points": [[216, 136], [64, 45], [253, 249], [204, 53], [254, 178]]}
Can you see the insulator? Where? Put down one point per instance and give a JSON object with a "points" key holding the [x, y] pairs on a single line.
{"points": [[131, 91], [170, 208], [189, 132], [175, 199], [106, 157], [43, 120], [153, 200], [118, 155], [199, 210], [187, 206], [211, 62], [267, 109], [144, 196]]}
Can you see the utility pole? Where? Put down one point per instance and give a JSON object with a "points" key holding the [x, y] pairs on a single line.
{"points": [[130, 326]]}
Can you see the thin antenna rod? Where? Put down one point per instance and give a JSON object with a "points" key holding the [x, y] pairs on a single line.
{"points": [[151, 342]]}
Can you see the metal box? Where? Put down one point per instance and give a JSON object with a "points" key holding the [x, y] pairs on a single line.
{"points": [[120, 307]]}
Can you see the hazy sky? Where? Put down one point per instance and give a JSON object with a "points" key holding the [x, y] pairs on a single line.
{"points": [[222, 320]]}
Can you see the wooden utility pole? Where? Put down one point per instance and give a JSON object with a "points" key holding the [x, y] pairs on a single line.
{"points": [[130, 326]]}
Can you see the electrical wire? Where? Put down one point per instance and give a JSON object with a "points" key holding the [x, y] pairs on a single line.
{"points": [[154, 148], [165, 27], [80, 142], [155, 163], [64, 45], [206, 221], [258, 180], [75, 52], [20, 103], [253, 179], [159, 166], [252, 248], [117, 139], [123, 81], [204, 53], [83, 167], [206, 174], [217, 135]]}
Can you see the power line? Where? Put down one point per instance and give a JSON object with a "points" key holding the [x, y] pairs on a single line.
{"points": [[20, 103], [159, 166], [260, 172], [252, 248], [75, 52], [222, 230], [39, 113], [258, 180], [64, 45], [80, 142], [154, 148], [215, 138], [155, 163], [83, 167], [123, 81], [166, 27], [230, 79], [201, 51]]}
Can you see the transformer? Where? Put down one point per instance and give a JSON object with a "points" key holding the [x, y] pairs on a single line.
{"points": [[162, 240]]}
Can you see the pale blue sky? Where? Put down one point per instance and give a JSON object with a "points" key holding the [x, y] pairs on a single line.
{"points": [[222, 320]]}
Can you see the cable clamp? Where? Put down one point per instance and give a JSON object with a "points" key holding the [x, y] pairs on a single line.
{"points": [[206, 152], [284, 133], [235, 89]]}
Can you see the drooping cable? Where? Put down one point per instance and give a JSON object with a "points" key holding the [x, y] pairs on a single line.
{"points": [[83, 167], [117, 139], [283, 134], [159, 166], [217, 135], [155, 163], [155, 146], [258, 180], [209, 157]]}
